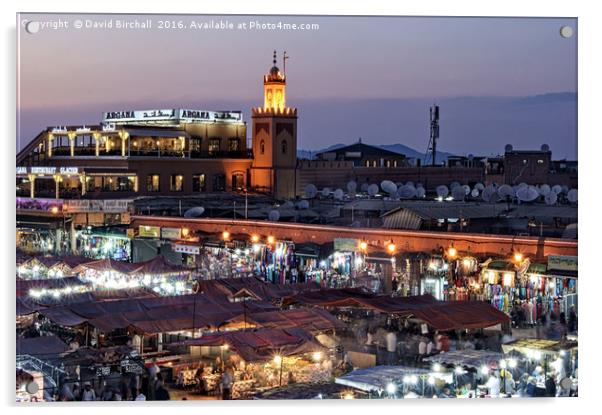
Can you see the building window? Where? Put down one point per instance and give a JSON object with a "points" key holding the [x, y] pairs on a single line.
{"points": [[152, 183], [234, 144], [176, 183], [262, 147], [213, 145], [394, 163], [198, 183], [367, 163], [238, 181], [388, 163], [219, 183], [283, 146], [539, 161]]}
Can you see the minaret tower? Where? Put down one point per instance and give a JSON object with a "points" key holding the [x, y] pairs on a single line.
{"points": [[274, 139]]}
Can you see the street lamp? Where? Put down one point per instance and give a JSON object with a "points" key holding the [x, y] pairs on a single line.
{"points": [[254, 238], [363, 245], [225, 235], [518, 257], [452, 252], [278, 360], [271, 240], [391, 247]]}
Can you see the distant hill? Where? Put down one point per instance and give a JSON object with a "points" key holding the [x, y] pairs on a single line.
{"points": [[397, 148]]}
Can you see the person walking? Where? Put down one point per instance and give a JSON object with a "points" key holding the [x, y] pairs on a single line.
{"points": [[226, 384], [88, 393], [572, 323]]}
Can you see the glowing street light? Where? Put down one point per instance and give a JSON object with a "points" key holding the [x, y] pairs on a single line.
{"points": [[363, 245], [391, 388], [437, 367], [316, 356], [518, 257], [185, 232], [391, 247], [452, 252], [225, 235], [271, 240], [512, 363], [255, 238], [484, 370]]}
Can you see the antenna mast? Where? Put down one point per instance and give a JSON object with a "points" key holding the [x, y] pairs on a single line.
{"points": [[284, 58], [434, 136]]}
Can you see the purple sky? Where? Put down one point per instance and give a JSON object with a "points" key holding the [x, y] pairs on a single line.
{"points": [[342, 77]]}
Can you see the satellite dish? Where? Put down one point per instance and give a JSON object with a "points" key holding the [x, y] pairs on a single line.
{"points": [[458, 193], [527, 193], [407, 192], [442, 191], [551, 198], [572, 196], [489, 194], [475, 193], [545, 147], [364, 187], [194, 212], [388, 186], [505, 191], [351, 186], [557, 188], [287, 205], [373, 189], [453, 185], [508, 148], [420, 192], [479, 187], [304, 204], [544, 190], [326, 192], [274, 215], [466, 189], [32, 387], [338, 194], [311, 191]]}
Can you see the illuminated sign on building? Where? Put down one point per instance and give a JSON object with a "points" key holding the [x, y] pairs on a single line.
{"points": [[43, 170], [69, 170], [171, 233], [149, 231], [186, 249], [171, 115]]}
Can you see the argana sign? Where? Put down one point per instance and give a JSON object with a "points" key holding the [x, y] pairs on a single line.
{"points": [[171, 115]]}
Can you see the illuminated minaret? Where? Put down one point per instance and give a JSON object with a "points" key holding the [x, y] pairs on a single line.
{"points": [[274, 139], [274, 88]]}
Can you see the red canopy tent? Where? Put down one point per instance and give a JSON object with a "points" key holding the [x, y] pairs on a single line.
{"points": [[262, 344]]}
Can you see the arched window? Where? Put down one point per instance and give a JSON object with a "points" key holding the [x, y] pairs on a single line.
{"points": [[283, 145], [262, 147]]}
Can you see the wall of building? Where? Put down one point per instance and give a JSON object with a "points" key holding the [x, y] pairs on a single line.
{"points": [[406, 241]]}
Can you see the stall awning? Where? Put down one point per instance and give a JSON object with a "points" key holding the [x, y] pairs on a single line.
{"points": [[262, 344], [543, 346], [467, 358], [376, 378], [313, 320], [44, 347]]}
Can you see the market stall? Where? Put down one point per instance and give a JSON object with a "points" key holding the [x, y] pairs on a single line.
{"points": [[396, 381], [263, 358]]}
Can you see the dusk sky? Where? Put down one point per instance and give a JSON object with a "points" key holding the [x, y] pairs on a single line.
{"points": [[369, 77]]}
